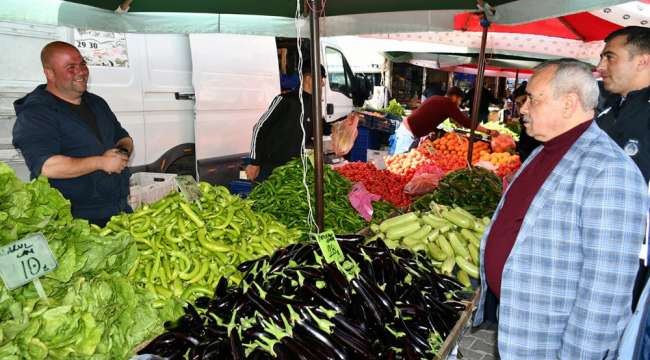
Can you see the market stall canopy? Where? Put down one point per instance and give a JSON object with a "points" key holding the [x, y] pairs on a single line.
{"points": [[449, 60], [576, 35], [276, 17]]}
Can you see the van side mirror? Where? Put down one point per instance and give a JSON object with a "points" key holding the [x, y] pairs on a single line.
{"points": [[330, 109], [361, 89]]}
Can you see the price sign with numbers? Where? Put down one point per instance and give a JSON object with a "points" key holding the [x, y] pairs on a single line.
{"points": [[188, 187], [330, 247], [25, 260]]}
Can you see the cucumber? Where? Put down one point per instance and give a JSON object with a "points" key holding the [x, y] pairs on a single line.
{"points": [[474, 253], [448, 266], [401, 230], [463, 278], [397, 220], [468, 267], [458, 219], [374, 228], [460, 249], [445, 246]]}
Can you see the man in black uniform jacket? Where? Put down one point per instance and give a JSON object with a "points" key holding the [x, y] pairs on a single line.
{"points": [[625, 69], [277, 136]]}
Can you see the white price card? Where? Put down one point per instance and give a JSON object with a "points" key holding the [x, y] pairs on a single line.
{"points": [[25, 260]]}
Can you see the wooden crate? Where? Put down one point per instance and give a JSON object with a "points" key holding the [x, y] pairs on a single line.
{"points": [[459, 329]]}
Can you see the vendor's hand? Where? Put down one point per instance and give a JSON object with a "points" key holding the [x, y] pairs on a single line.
{"points": [[252, 172], [113, 161]]}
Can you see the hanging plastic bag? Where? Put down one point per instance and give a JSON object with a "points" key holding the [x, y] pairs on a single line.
{"points": [[361, 200], [344, 133], [424, 180]]}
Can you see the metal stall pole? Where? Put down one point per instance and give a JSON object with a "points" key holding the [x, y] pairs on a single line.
{"points": [[316, 112]]}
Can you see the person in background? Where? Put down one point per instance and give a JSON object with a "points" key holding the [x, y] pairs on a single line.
{"points": [[73, 138], [487, 98], [625, 115], [278, 134], [559, 257], [526, 143], [427, 117]]}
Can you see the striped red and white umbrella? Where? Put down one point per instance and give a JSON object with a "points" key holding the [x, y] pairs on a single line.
{"points": [[577, 35]]}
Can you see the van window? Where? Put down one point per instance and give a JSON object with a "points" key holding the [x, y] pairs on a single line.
{"points": [[338, 72]]}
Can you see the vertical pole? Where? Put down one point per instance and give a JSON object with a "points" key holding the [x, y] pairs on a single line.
{"points": [[478, 87], [516, 79], [316, 112], [424, 81]]}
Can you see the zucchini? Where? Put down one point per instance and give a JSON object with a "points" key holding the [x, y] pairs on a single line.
{"points": [[460, 249], [401, 230], [436, 253], [422, 233], [474, 254], [463, 278], [445, 246], [468, 267], [434, 221], [411, 242], [473, 239], [462, 211], [448, 266], [397, 220], [458, 219]]}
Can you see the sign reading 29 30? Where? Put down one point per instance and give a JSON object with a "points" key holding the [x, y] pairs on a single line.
{"points": [[25, 260], [86, 44]]}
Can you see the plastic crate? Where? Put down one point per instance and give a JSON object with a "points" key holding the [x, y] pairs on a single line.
{"points": [[148, 187], [377, 123], [240, 187], [359, 151]]}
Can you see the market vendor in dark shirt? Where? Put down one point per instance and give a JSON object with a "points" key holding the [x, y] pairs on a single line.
{"points": [[278, 134], [428, 116], [73, 138]]}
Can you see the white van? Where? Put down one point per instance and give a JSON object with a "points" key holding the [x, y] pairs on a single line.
{"points": [[189, 101]]}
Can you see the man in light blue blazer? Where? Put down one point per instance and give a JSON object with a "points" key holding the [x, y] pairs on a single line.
{"points": [[561, 253]]}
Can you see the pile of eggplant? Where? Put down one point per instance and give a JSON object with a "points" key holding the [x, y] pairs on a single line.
{"points": [[376, 304]]}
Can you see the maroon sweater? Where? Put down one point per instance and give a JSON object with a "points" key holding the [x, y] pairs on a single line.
{"points": [[431, 113], [521, 193]]}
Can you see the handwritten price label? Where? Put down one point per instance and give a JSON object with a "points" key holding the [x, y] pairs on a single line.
{"points": [[330, 247], [25, 260], [188, 187]]}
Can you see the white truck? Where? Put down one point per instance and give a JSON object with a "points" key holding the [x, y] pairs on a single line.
{"points": [[189, 101]]}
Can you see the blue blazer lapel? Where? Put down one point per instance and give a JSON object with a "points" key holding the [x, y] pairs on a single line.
{"points": [[563, 169]]}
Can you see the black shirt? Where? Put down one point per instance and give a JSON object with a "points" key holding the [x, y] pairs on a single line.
{"points": [[627, 122], [84, 113]]}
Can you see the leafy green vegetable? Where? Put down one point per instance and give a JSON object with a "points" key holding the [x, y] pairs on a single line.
{"points": [[91, 310], [476, 190], [394, 108]]}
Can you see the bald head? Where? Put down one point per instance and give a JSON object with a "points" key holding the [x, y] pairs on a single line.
{"points": [[65, 70], [55, 47]]}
